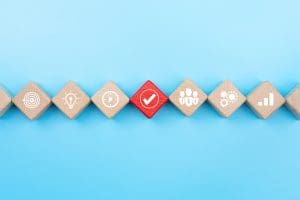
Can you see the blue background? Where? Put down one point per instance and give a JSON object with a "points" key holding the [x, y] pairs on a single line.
{"points": [[170, 156]]}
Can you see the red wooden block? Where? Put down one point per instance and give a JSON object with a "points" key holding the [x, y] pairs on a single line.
{"points": [[149, 99]]}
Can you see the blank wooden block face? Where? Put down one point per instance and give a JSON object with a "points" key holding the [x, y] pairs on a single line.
{"points": [[110, 99], [265, 100], [188, 97], [32, 101], [5, 101], [293, 101], [71, 100], [226, 98]]}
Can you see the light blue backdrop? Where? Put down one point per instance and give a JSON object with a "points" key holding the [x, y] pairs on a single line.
{"points": [[131, 157]]}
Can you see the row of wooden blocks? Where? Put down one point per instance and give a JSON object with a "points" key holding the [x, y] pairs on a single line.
{"points": [[188, 97]]}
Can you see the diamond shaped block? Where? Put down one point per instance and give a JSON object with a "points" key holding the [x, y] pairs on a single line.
{"points": [[71, 100], [32, 101], [293, 101], [188, 97], [5, 101], [149, 99], [265, 99], [226, 98], [110, 99]]}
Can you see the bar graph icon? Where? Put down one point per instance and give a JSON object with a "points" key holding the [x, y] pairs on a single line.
{"points": [[267, 101]]}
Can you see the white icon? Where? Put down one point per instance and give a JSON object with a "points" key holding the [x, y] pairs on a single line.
{"points": [[149, 98], [188, 97], [31, 100], [267, 101], [227, 98], [110, 99], [70, 99]]}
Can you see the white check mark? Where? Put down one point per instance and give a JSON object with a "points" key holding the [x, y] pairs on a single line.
{"points": [[149, 100]]}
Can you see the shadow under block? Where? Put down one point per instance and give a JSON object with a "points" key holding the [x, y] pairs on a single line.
{"points": [[32, 101], [71, 100], [188, 97], [226, 98], [293, 101], [110, 99], [265, 100], [5, 101]]}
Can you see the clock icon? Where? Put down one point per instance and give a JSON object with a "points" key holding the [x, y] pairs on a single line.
{"points": [[110, 99]]}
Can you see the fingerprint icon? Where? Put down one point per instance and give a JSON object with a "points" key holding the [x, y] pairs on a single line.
{"points": [[31, 100]]}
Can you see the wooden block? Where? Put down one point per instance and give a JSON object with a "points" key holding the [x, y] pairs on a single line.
{"points": [[5, 101], [149, 99], [293, 101], [71, 100], [226, 98], [188, 97], [32, 101], [265, 99], [110, 99]]}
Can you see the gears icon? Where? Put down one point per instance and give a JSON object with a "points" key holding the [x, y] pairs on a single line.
{"points": [[227, 98]]}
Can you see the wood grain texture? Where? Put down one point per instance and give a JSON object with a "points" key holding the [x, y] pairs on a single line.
{"points": [[71, 100], [293, 101], [226, 98], [5, 100], [110, 99], [188, 97], [32, 101], [265, 100]]}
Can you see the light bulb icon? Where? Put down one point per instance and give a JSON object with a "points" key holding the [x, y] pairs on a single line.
{"points": [[70, 99]]}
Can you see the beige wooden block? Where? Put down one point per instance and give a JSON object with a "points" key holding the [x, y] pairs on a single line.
{"points": [[32, 101], [110, 99], [293, 101], [226, 98], [71, 100], [265, 99], [188, 97], [5, 101]]}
